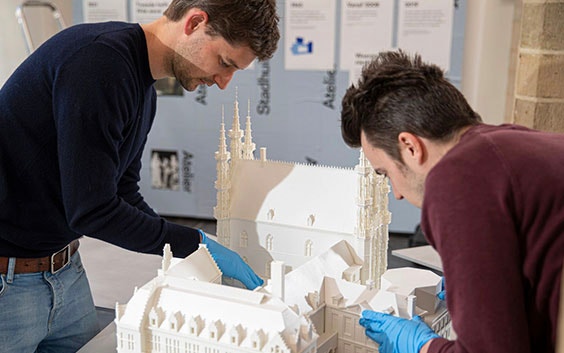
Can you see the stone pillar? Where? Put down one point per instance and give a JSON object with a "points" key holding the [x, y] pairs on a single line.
{"points": [[539, 86]]}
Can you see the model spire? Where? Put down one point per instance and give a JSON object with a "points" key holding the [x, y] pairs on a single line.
{"points": [[235, 134], [222, 140], [248, 145]]}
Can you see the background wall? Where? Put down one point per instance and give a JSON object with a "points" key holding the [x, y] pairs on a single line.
{"points": [[488, 50], [302, 124], [12, 42]]}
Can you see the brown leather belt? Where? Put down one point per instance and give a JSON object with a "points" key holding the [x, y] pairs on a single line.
{"points": [[53, 263]]}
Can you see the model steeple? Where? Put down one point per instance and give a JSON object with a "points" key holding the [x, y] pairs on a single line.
{"points": [[235, 134], [248, 145]]}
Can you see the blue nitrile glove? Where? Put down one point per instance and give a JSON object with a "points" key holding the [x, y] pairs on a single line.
{"points": [[231, 264], [442, 294], [395, 334]]}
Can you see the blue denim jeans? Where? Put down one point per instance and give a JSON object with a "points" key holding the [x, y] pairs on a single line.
{"points": [[43, 312]]}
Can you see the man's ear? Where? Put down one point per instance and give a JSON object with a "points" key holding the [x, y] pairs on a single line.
{"points": [[195, 19], [411, 147]]}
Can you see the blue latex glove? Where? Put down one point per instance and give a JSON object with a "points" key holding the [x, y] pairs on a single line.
{"points": [[394, 334], [442, 294], [231, 264]]}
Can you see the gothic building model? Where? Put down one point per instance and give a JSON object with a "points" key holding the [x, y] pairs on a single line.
{"points": [[319, 235], [270, 210]]}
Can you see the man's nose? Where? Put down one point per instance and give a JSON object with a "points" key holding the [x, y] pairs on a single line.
{"points": [[397, 195], [223, 80]]}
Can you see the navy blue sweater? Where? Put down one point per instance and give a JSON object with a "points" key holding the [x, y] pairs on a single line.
{"points": [[74, 119]]}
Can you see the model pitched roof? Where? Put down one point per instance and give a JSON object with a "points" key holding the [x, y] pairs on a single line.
{"points": [[294, 192]]}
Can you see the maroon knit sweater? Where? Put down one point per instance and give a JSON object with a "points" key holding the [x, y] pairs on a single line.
{"points": [[494, 210]]}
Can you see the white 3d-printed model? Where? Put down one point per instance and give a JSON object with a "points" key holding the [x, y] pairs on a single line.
{"points": [[320, 235]]}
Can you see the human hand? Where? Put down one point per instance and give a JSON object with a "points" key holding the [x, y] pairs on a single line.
{"points": [[395, 334], [442, 294], [231, 264]]}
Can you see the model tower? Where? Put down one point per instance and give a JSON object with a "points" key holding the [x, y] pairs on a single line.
{"points": [[382, 219], [222, 185]]}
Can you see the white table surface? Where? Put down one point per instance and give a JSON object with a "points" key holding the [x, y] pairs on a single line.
{"points": [[113, 272], [422, 255], [104, 342]]}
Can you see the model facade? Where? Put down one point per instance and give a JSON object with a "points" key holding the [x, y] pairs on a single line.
{"points": [[271, 210]]}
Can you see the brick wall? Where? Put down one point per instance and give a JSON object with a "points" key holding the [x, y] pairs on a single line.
{"points": [[539, 82]]}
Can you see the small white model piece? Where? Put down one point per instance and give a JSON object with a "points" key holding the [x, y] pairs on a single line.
{"points": [[270, 210], [185, 309]]}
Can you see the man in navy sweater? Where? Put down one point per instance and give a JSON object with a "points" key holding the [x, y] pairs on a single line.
{"points": [[74, 119]]}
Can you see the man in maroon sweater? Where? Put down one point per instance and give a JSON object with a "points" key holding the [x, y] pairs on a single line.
{"points": [[492, 200]]}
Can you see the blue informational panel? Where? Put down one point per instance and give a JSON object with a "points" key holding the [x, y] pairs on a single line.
{"points": [[295, 114]]}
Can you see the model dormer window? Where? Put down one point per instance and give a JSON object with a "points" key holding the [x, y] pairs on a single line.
{"points": [[257, 339], [216, 328], [195, 325], [270, 214], [236, 334], [154, 319]]}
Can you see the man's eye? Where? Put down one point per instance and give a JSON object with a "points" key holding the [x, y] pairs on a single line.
{"points": [[380, 172], [223, 63]]}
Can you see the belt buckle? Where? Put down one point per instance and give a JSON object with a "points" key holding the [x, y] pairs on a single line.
{"points": [[66, 262]]}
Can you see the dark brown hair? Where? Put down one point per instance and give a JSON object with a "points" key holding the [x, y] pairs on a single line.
{"points": [[398, 93], [253, 23]]}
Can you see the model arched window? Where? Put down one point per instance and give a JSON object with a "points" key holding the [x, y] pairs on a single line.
{"points": [[311, 220], [244, 240], [308, 246], [269, 241]]}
